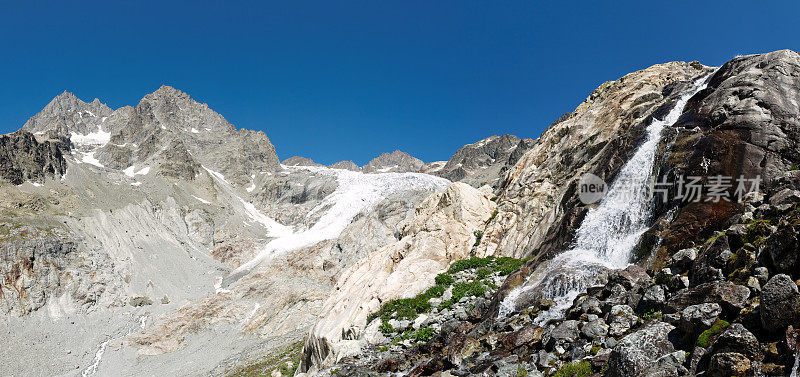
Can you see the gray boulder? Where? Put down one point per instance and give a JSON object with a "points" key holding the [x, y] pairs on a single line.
{"points": [[780, 303], [697, 318], [736, 338], [635, 353]]}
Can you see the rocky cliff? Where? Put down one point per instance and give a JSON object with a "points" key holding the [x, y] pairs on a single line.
{"points": [[23, 158], [711, 287]]}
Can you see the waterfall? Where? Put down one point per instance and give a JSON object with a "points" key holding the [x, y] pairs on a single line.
{"points": [[796, 364], [608, 233]]}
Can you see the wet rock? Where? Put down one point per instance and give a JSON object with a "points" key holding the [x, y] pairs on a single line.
{"points": [[780, 303], [697, 318], [634, 354], [729, 364], [683, 259]]}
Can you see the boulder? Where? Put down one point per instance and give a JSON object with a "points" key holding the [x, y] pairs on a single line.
{"points": [[736, 338], [731, 297], [595, 328], [698, 318], [635, 353], [621, 319], [730, 364], [683, 259], [567, 332], [780, 303]]}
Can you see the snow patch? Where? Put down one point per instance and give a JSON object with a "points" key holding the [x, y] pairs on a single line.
{"points": [[136, 184], [89, 159], [201, 200], [94, 139], [130, 171], [356, 192], [195, 131]]}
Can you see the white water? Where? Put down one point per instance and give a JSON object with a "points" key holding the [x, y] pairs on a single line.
{"points": [[796, 364], [608, 233]]}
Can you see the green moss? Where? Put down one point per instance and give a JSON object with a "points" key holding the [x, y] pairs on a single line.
{"points": [[494, 214], [651, 314], [595, 349], [447, 304], [507, 265], [704, 340], [521, 372], [483, 272], [575, 369], [385, 328]]}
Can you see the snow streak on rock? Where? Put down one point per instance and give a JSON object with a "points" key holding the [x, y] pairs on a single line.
{"points": [[356, 192]]}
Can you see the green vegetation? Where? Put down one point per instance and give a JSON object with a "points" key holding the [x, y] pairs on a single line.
{"points": [[410, 308], [478, 235], [595, 349], [651, 314], [285, 361], [494, 214], [704, 340], [424, 334], [575, 369], [521, 372]]}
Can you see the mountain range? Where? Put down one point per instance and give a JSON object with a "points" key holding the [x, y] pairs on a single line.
{"points": [[159, 239]]}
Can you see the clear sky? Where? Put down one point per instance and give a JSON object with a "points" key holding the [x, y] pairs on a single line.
{"points": [[335, 80]]}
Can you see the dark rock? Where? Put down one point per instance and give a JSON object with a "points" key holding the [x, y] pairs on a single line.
{"points": [[737, 339], [566, 332], [731, 297], [780, 303], [23, 158], [530, 335], [730, 364], [684, 258]]}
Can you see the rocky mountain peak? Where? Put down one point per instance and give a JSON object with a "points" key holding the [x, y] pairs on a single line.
{"points": [[395, 162], [299, 161], [67, 113]]}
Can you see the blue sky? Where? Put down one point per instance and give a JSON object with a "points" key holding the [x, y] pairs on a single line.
{"points": [[335, 80]]}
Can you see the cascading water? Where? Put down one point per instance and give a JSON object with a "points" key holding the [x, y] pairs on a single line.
{"points": [[608, 233], [796, 364]]}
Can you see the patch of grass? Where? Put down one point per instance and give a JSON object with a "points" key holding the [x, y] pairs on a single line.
{"points": [[424, 334], [448, 304], [474, 288], [444, 279], [521, 372], [285, 361], [494, 199], [704, 340], [507, 265], [595, 349], [469, 264], [483, 272], [494, 214], [651, 314], [575, 369]]}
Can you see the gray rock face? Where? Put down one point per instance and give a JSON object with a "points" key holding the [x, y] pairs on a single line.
{"points": [[23, 158], [486, 161], [731, 297], [780, 303], [697, 318], [538, 205], [66, 113], [395, 162], [346, 165], [38, 270], [299, 161], [167, 130], [742, 125], [635, 353]]}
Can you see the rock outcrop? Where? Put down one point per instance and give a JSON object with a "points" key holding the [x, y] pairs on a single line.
{"points": [[23, 158], [395, 162], [538, 204], [486, 161], [441, 231]]}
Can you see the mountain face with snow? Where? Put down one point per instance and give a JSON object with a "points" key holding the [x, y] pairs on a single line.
{"points": [[161, 240]]}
